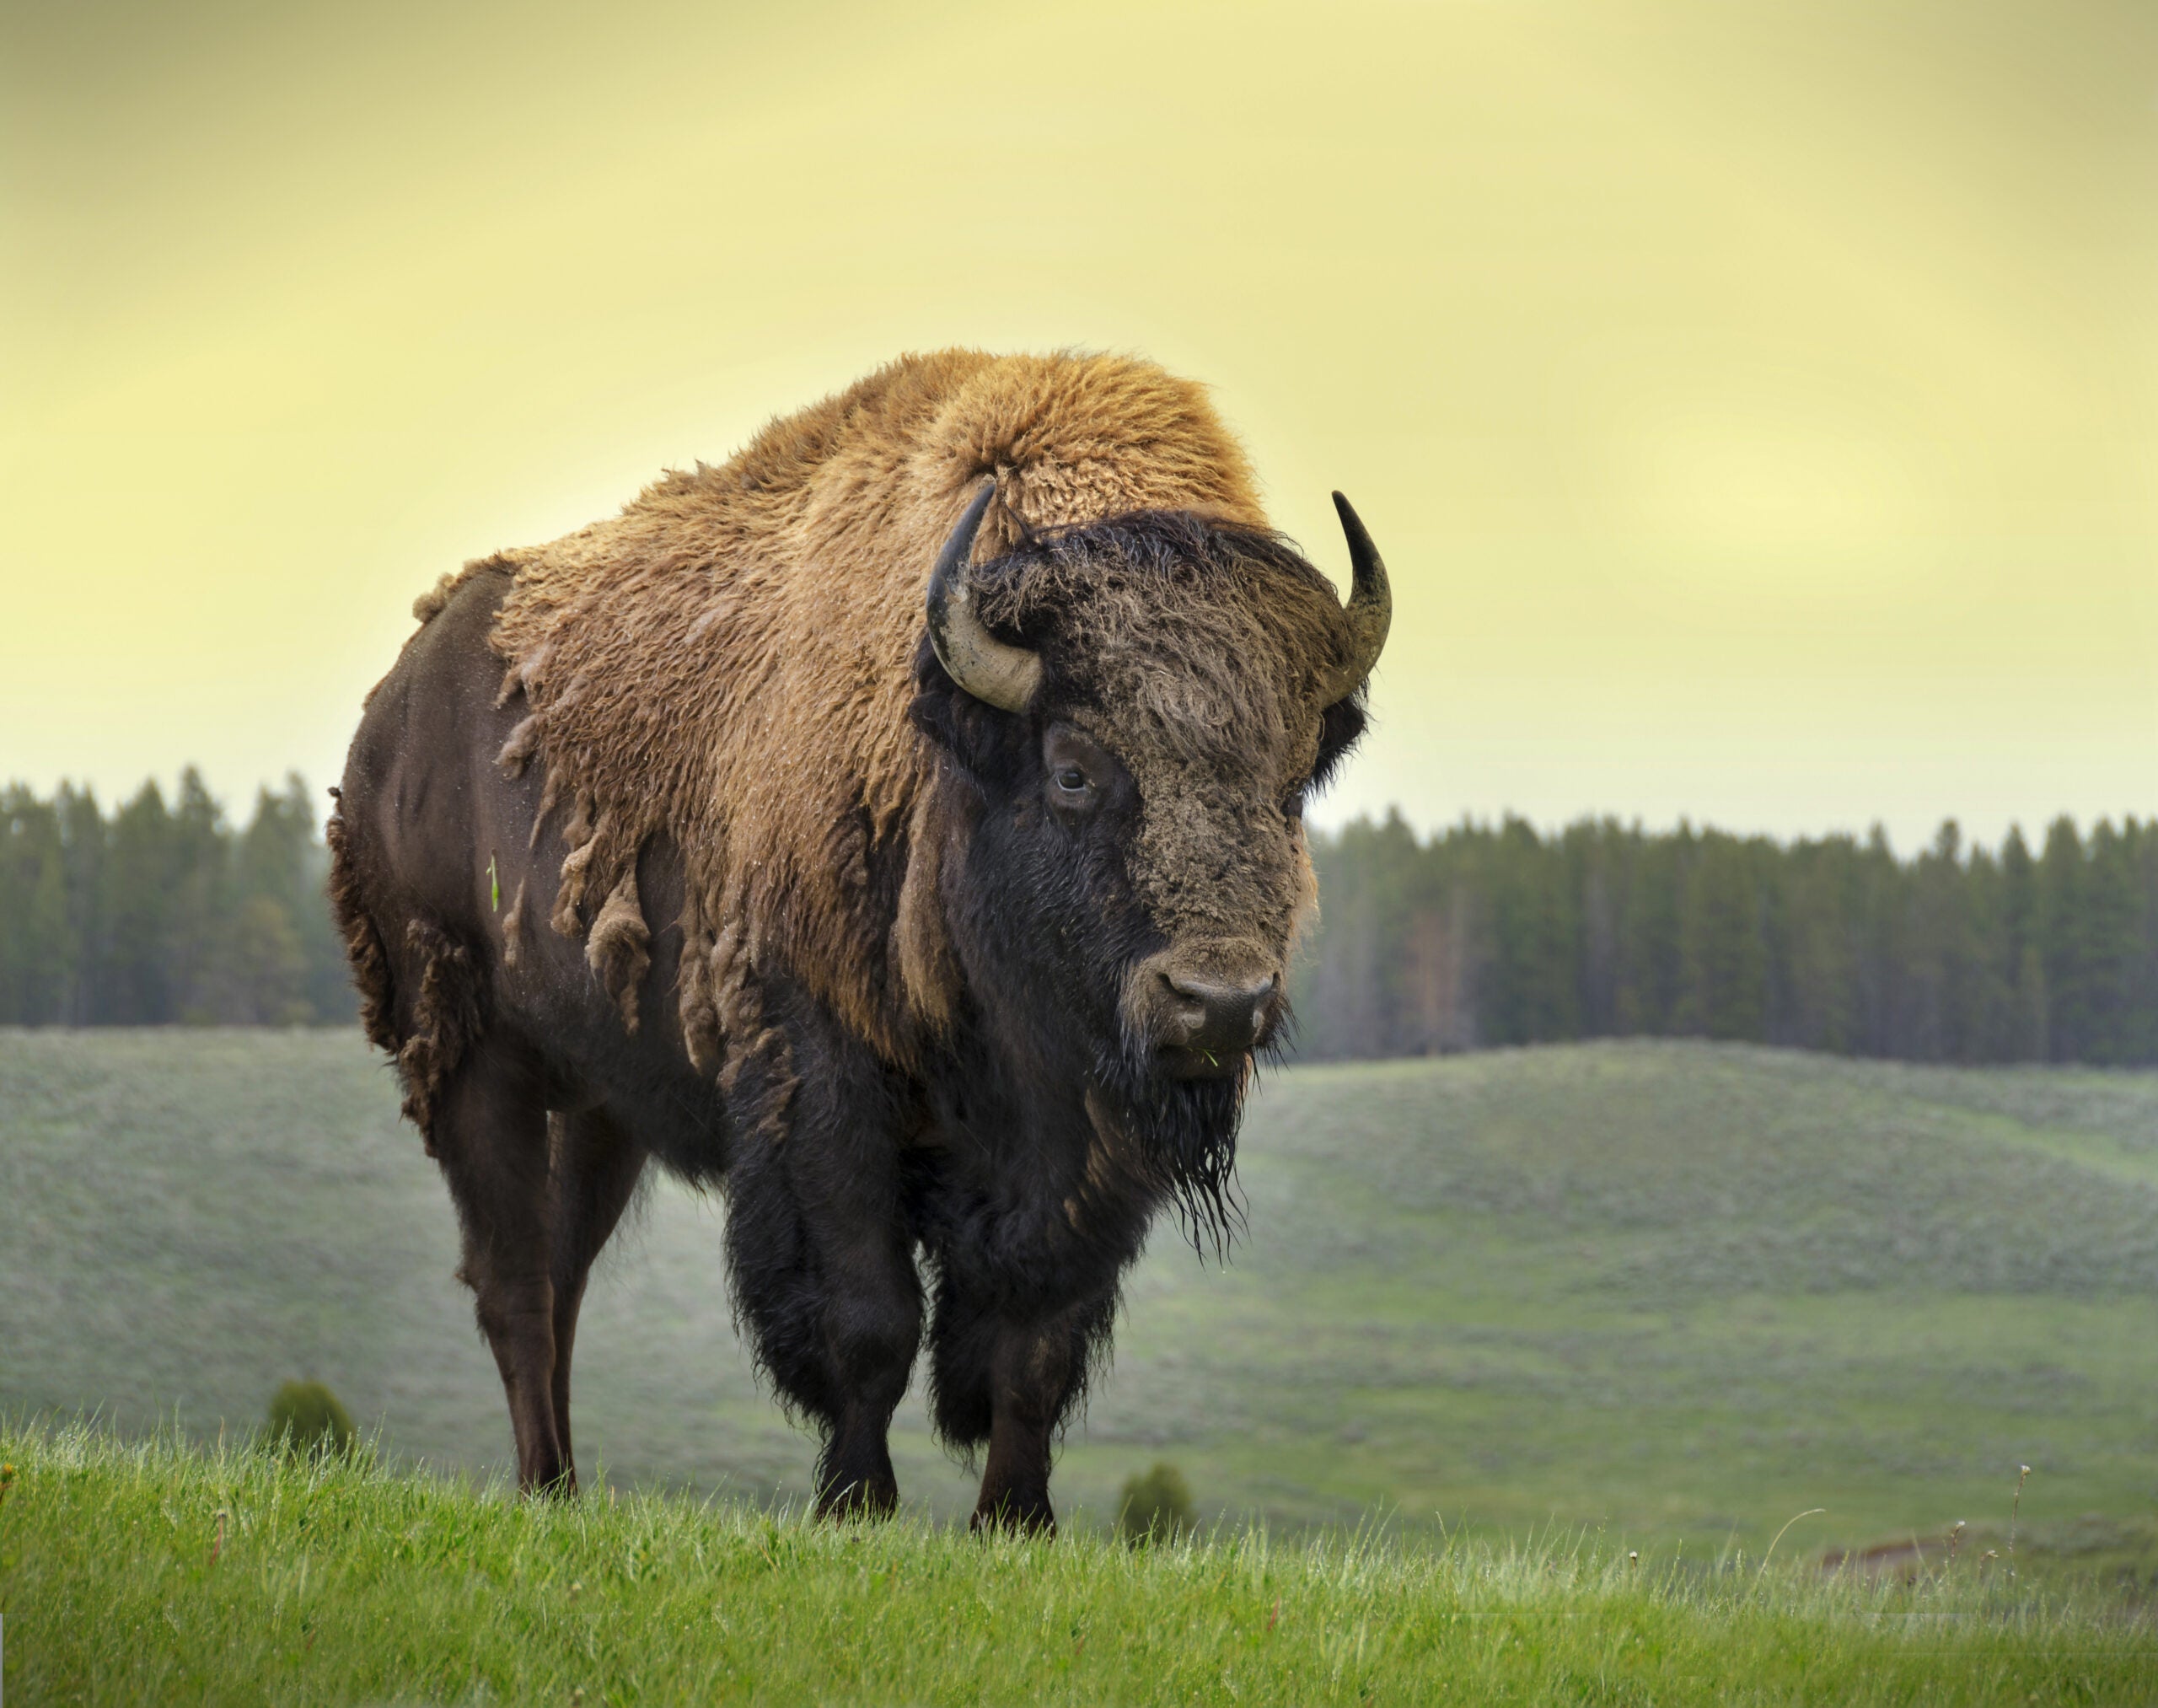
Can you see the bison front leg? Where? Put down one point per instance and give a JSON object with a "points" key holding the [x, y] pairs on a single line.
{"points": [[873, 1325], [489, 1131], [835, 1308], [1011, 1380], [1032, 1377], [823, 1263]]}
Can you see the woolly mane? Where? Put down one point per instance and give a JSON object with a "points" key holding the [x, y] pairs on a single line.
{"points": [[728, 662]]}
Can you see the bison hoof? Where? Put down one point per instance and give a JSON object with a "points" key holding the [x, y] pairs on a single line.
{"points": [[1014, 1515], [863, 1499]]}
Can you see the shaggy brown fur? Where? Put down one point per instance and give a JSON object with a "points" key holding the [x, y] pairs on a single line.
{"points": [[1194, 705], [729, 660], [953, 993]]}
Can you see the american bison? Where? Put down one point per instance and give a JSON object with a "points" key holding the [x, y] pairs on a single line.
{"points": [[899, 826]]}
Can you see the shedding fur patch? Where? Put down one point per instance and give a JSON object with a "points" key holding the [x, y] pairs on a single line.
{"points": [[618, 948], [730, 659], [514, 928], [429, 604], [695, 1005], [445, 1022], [755, 1052], [517, 752]]}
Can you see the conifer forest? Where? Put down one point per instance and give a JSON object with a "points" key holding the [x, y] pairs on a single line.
{"points": [[1494, 935], [164, 911]]}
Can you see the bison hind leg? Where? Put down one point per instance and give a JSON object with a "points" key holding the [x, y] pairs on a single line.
{"points": [[593, 1170], [485, 1122], [489, 1130]]}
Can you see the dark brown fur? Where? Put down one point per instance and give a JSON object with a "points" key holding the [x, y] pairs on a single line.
{"points": [[823, 927]]}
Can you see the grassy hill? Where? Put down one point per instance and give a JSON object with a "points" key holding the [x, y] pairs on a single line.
{"points": [[148, 1575], [1678, 1292]]}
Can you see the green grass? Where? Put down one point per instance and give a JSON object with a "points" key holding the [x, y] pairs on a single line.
{"points": [[1664, 1294], [166, 1573]]}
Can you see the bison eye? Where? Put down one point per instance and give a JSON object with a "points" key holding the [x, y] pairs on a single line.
{"points": [[1292, 803], [1076, 771], [1070, 790]]}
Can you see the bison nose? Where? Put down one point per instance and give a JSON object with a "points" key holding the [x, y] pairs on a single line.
{"points": [[1221, 1019]]}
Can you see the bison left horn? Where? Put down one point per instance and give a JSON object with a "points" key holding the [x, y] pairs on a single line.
{"points": [[993, 671], [1369, 611]]}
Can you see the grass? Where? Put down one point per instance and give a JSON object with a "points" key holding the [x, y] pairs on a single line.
{"points": [[1667, 1295], [163, 1571]]}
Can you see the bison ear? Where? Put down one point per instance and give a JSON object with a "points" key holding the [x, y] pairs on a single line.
{"points": [[1340, 727]]}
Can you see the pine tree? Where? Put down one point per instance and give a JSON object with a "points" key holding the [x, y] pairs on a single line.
{"points": [[1595, 855], [1988, 1002], [2021, 955], [84, 837], [1723, 958], [1878, 919], [36, 954], [139, 872], [1821, 938], [202, 904], [2032, 1037], [1649, 970], [1531, 995], [2061, 946], [2142, 856], [2110, 933]]}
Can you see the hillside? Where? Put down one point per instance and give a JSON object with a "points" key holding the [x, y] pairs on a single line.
{"points": [[218, 1577], [1682, 1291]]}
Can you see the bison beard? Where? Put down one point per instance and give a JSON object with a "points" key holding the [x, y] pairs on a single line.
{"points": [[1186, 1128], [938, 918]]}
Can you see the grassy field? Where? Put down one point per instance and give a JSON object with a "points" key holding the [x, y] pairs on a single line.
{"points": [[155, 1575], [1663, 1295]]}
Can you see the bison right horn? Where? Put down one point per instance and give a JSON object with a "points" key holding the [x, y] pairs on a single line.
{"points": [[993, 671], [1369, 613]]}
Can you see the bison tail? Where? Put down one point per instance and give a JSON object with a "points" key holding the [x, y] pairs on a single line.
{"points": [[444, 1019], [445, 1022], [363, 943]]}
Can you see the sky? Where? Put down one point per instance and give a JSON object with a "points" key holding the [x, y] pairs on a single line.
{"points": [[1756, 404]]}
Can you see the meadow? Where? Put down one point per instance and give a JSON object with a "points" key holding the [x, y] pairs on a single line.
{"points": [[174, 1575], [1658, 1296]]}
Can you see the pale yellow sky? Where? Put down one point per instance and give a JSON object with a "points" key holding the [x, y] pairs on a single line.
{"points": [[1758, 405]]}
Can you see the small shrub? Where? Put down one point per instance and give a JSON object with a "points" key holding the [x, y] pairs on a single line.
{"points": [[1156, 1508], [306, 1420]]}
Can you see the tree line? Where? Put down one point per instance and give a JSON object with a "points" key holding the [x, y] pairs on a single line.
{"points": [[163, 912], [1491, 935]]}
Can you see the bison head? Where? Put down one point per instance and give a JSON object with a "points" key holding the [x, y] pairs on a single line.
{"points": [[1137, 710]]}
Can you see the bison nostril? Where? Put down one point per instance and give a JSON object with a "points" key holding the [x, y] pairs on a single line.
{"points": [[1218, 1015]]}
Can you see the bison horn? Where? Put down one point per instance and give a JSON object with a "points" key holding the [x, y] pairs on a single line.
{"points": [[1370, 610], [993, 672]]}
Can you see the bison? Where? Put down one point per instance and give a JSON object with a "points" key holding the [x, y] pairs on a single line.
{"points": [[898, 827]]}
